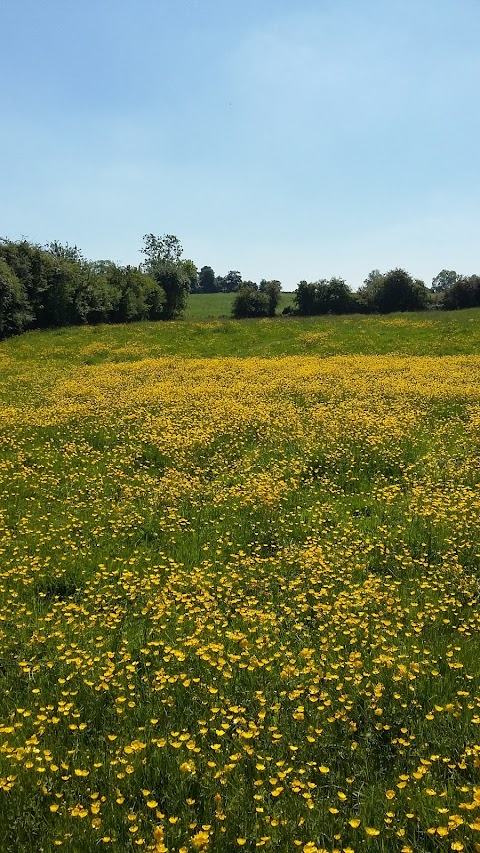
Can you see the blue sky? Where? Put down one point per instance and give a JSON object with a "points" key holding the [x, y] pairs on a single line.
{"points": [[290, 140]]}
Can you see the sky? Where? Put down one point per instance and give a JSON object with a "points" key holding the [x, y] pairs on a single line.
{"points": [[288, 140]]}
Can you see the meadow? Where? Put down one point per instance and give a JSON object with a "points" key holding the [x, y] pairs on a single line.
{"points": [[239, 586]]}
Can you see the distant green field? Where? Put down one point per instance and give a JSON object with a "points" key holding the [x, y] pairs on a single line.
{"points": [[210, 306]]}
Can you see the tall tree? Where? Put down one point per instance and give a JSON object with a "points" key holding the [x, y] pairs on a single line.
{"points": [[206, 280], [15, 314], [191, 273], [444, 279], [232, 281], [395, 290], [325, 297], [463, 293], [166, 248], [273, 290], [163, 263], [305, 297]]}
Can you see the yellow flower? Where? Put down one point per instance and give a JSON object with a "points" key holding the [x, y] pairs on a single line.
{"points": [[200, 839]]}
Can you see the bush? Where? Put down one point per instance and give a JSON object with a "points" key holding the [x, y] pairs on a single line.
{"points": [[250, 303], [56, 286], [464, 293], [272, 290], [325, 297], [15, 314], [393, 291]]}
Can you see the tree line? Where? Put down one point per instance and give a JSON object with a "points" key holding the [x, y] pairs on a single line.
{"points": [[383, 293], [55, 285]]}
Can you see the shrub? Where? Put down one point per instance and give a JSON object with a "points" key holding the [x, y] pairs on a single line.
{"points": [[393, 291], [325, 297], [464, 293], [15, 314], [250, 303]]}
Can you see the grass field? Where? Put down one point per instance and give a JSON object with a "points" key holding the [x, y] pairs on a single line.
{"points": [[239, 586], [211, 306]]}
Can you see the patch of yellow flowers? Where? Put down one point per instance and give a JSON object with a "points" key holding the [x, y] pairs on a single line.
{"points": [[240, 606]]}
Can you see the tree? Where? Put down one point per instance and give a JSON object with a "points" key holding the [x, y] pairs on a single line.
{"points": [[444, 279], [48, 279], [325, 297], [206, 280], [231, 282], [464, 293], [154, 298], [15, 314], [191, 274], [366, 296], [174, 283], [64, 251], [166, 248], [273, 290], [400, 292], [304, 298], [335, 297], [163, 263], [127, 282], [56, 286], [395, 290], [250, 303]]}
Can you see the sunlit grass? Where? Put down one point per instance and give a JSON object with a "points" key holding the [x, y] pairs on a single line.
{"points": [[240, 593], [211, 306]]}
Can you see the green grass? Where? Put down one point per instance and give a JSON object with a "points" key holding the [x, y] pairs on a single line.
{"points": [[422, 334], [215, 306]]}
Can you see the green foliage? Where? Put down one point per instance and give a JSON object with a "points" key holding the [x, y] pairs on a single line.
{"points": [[273, 291], [444, 279], [55, 286], [163, 263], [231, 282], [395, 290], [325, 297], [173, 281], [191, 274], [167, 248], [206, 281], [96, 297], [66, 252], [463, 293], [250, 303], [15, 315], [154, 297]]}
